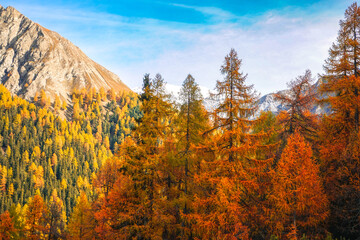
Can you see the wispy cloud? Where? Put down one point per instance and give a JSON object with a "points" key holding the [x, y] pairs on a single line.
{"points": [[275, 46], [215, 14], [276, 49]]}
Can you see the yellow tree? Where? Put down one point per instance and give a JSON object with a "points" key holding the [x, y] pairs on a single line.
{"points": [[57, 103], [56, 217], [82, 222], [134, 203], [149, 165], [18, 213]]}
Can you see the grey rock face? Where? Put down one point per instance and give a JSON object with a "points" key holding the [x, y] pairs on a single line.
{"points": [[34, 58], [269, 103]]}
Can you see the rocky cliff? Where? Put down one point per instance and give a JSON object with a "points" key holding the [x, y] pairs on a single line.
{"points": [[34, 58]]}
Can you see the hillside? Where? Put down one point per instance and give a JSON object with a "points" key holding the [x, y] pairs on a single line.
{"points": [[41, 153]]}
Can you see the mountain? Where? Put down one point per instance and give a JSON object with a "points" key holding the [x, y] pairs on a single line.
{"points": [[269, 103], [34, 58]]}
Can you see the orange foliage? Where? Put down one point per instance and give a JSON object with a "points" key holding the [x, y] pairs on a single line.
{"points": [[339, 149], [299, 100], [233, 183], [301, 204], [36, 218], [6, 226]]}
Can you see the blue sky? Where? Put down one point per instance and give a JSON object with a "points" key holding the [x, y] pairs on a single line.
{"points": [[277, 40]]}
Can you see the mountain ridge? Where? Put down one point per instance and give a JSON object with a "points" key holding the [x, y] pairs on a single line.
{"points": [[33, 57], [268, 102]]}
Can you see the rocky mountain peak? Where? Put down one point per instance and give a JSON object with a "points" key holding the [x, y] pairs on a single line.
{"points": [[268, 102], [34, 58]]}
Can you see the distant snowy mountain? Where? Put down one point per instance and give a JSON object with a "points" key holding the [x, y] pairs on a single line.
{"points": [[269, 103]]}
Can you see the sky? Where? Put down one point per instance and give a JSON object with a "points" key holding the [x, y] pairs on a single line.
{"points": [[277, 40]]}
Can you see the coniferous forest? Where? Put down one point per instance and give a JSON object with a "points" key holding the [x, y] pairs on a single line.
{"points": [[121, 165]]}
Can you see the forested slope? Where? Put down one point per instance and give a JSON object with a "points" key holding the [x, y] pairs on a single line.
{"points": [[42, 152]]}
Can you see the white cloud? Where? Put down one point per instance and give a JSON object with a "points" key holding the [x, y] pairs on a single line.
{"points": [[277, 47], [215, 14], [274, 51]]}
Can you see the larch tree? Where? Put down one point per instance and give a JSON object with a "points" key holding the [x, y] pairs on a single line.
{"points": [[299, 198], [82, 222], [56, 217], [153, 135], [107, 175], [341, 78], [233, 182], [237, 103], [122, 214], [339, 150], [17, 213], [140, 183], [36, 218], [6, 226], [156, 112], [298, 100], [191, 122]]}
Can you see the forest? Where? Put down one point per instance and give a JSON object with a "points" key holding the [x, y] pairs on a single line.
{"points": [[121, 165]]}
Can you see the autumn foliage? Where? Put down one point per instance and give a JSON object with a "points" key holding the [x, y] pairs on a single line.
{"points": [[339, 150], [108, 165], [298, 194]]}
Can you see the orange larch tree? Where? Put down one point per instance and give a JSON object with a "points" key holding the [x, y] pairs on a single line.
{"points": [[191, 122], [122, 214], [56, 217], [233, 184], [36, 218], [339, 150], [298, 100], [299, 199], [136, 203], [6, 226]]}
